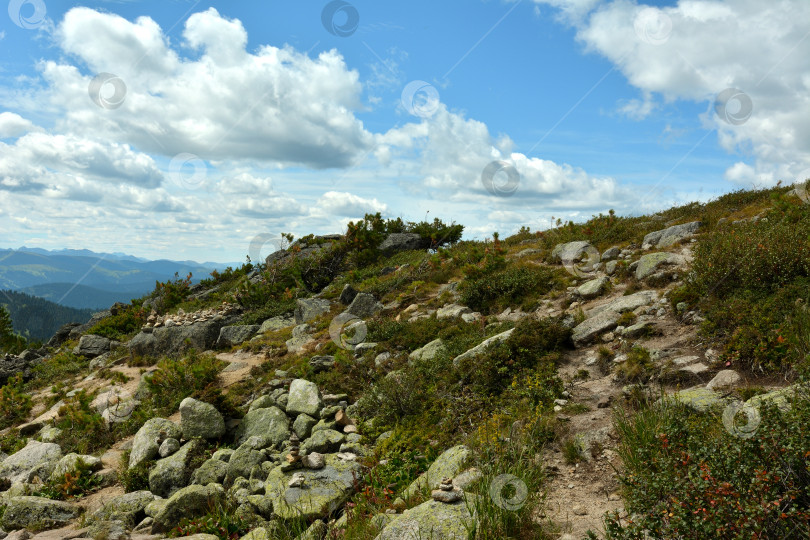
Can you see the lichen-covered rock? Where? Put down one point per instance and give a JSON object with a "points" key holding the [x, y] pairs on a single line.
{"points": [[449, 464], [323, 441], [396, 242], [303, 425], [321, 493], [433, 520], [483, 346], [781, 397], [200, 420], [91, 346], [213, 471], [276, 323], [428, 352], [37, 513], [145, 445], [70, 463], [188, 502], [699, 398], [243, 461], [606, 317], [651, 262], [307, 309], [129, 508], [262, 402], [269, 424], [174, 340], [172, 473], [364, 305], [304, 398], [18, 466], [593, 288], [452, 311], [671, 235]]}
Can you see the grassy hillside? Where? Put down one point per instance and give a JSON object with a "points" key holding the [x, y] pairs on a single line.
{"points": [[661, 393]]}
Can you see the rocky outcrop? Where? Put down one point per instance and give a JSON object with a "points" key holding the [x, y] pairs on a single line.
{"points": [[670, 235], [38, 513], [269, 424], [91, 346], [307, 309], [402, 242], [606, 317], [483, 346], [176, 339], [428, 352], [433, 519], [364, 305], [650, 263]]}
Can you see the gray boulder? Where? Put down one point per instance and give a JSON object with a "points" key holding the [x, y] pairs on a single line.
{"points": [[91, 346], [200, 419], [243, 461], [304, 398], [433, 520], [172, 473], [429, 352], [276, 323], [129, 508], [321, 363], [364, 306], [269, 424], [395, 242], [145, 445], [347, 294], [449, 464], [38, 513], [320, 494], [237, 334], [303, 425], [70, 463], [18, 466], [61, 335], [568, 251], [307, 309], [671, 235], [648, 264], [483, 346], [324, 441], [189, 502], [611, 253], [11, 365], [212, 471], [606, 316], [452, 311], [593, 288], [300, 338]]}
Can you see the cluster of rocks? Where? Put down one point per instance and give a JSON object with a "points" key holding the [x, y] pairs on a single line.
{"points": [[181, 318]]}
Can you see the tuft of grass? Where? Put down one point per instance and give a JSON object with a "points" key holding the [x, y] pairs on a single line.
{"points": [[638, 367], [15, 402]]}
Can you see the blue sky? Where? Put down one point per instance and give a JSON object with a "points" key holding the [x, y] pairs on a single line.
{"points": [[232, 121]]}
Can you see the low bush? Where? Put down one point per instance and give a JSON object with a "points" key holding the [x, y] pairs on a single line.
{"points": [[123, 325], [177, 379], [221, 521], [72, 485], [638, 367], [59, 367], [15, 402], [82, 429], [508, 286], [687, 475]]}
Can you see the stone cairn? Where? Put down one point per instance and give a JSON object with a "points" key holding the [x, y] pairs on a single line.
{"points": [[447, 492], [295, 447], [181, 318]]}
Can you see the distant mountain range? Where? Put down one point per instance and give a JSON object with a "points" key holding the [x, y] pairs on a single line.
{"points": [[85, 279]]}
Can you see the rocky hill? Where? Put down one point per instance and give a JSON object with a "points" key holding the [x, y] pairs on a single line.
{"points": [[626, 377]]}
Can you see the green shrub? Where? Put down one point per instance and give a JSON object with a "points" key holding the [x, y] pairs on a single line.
{"points": [[83, 430], [59, 367], [127, 322], [72, 485], [15, 402], [507, 286], [136, 478], [220, 521], [176, 379], [687, 476], [638, 367]]}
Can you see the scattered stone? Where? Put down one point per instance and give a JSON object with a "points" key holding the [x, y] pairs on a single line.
{"points": [[648, 264], [276, 323], [307, 309], [347, 294], [449, 464], [611, 253], [395, 242], [699, 398], [270, 424], [303, 424], [20, 465], [452, 311], [593, 288], [483, 346], [189, 502], [147, 441], [314, 460], [321, 363], [727, 378], [212, 471], [428, 352], [324, 441], [91, 346], [168, 447], [579, 510], [671, 235]]}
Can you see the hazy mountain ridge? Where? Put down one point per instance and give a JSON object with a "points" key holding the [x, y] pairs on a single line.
{"points": [[37, 318]]}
